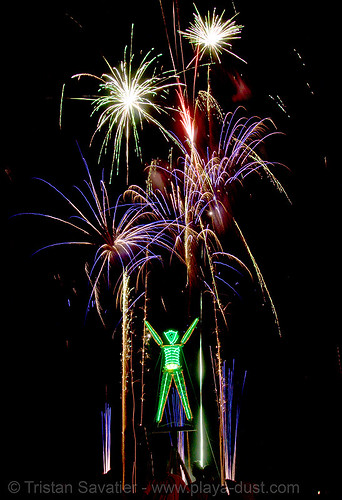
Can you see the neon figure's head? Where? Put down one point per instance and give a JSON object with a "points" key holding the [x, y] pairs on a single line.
{"points": [[171, 336]]}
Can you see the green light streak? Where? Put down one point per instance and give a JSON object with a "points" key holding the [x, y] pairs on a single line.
{"points": [[201, 375], [201, 460]]}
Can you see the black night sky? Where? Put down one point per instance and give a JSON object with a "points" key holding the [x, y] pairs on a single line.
{"points": [[56, 364]]}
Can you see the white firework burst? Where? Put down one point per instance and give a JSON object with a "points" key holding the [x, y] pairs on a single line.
{"points": [[128, 97], [212, 34]]}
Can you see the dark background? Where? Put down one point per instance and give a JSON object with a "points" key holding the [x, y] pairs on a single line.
{"points": [[55, 364]]}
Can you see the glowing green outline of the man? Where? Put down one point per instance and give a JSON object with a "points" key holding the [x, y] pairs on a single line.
{"points": [[172, 368]]}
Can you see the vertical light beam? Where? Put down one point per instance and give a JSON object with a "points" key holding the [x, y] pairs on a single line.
{"points": [[201, 429], [106, 417]]}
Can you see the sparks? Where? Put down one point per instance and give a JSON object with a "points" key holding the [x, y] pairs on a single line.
{"points": [[128, 97], [119, 243], [124, 368], [185, 210], [212, 34]]}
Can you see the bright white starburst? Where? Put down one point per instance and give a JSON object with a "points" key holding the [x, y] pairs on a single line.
{"points": [[212, 34], [128, 96]]}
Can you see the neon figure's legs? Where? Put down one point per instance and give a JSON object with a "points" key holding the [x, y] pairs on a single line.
{"points": [[163, 393], [181, 388], [165, 389]]}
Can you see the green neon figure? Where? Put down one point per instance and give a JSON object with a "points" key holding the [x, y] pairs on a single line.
{"points": [[172, 368]]}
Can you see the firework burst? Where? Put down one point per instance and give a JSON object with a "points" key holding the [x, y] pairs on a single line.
{"points": [[186, 208], [198, 196], [212, 34], [119, 241], [128, 97]]}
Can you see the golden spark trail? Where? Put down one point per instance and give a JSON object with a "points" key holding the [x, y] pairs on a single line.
{"points": [[143, 353], [61, 107], [212, 272], [261, 280], [124, 369], [134, 467]]}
